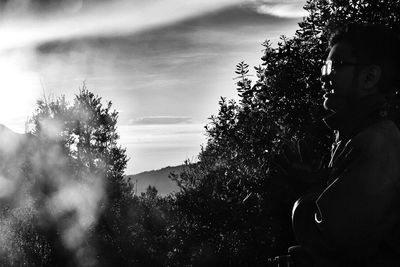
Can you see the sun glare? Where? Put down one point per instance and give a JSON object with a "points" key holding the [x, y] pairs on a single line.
{"points": [[19, 91]]}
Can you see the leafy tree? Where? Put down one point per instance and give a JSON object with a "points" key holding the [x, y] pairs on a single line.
{"points": [[87, 130], [130, 230], [236, 201], [72, 170]]}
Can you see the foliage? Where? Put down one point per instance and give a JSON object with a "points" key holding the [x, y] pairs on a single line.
{"points": [[235, 203], [134, 232], [71, 172], [87, 131]]}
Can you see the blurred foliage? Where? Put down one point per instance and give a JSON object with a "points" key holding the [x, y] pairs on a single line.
{"points": [[71, 171]]}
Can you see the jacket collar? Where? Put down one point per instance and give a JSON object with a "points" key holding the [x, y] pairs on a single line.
{"points": [[360, 115]]}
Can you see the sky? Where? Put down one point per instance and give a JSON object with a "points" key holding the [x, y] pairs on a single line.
{"points": [[164, 64]]}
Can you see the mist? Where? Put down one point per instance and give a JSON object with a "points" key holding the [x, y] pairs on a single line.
{"points": [[43, 197]]}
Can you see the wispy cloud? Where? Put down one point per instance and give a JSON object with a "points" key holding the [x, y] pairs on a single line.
{"points": [[110, 18], [160, 120], [280, 8]]}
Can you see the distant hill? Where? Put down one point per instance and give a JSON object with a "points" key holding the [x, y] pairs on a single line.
{"points": [[158, 178]]}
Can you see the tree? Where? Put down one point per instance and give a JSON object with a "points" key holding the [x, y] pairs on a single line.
{"points": [[77, 170], [237, 199], [80, 159]]}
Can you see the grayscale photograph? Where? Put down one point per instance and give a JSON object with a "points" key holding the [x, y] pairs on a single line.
{"points": [[199, 133]]}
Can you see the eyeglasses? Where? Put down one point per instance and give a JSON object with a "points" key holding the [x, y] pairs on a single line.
{"points": [[331, 65]]}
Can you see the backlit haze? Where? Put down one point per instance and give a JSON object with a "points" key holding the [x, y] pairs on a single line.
{"points": [[163, 63]]}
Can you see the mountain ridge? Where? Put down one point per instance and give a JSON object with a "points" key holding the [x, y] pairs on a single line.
{"points": [[158, 178]]}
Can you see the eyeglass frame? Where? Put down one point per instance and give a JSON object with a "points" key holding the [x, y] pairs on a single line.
{"points": [[328, 67]]}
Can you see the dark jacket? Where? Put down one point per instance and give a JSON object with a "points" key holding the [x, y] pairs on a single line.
{"points": [[355, 220]]}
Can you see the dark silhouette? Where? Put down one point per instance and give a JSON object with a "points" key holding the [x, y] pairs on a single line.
{"points": [[354, 219]]}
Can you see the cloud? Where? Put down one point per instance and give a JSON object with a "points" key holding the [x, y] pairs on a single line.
{"points": [[110, 18], [282, 8], [157, 120]]}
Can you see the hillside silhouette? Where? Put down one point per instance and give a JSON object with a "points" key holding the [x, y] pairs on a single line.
{"points": [[157, 178]]}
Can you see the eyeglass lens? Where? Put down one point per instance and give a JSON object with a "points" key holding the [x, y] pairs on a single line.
{"points": [[326, 68]]}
